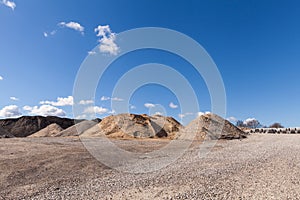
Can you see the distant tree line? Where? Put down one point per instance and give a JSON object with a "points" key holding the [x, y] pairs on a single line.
{"points": [[253, 123]]}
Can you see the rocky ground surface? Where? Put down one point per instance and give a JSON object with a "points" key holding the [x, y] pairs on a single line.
{"points": [[259, 167]]}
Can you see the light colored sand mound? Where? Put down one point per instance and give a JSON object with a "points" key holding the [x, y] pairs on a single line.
{"points": [[4, 133], [135, 126], [211, 126], [77, 129], [50, 131]]}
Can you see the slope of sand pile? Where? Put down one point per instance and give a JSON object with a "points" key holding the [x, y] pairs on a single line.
{"points": [[135, 126], [4, 133], [77, 129], [211, 126], [50, 131]]}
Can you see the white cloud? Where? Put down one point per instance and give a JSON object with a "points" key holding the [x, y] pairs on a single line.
{"points": [[232, 119], [10, 111], [61, 101], [200, 114], [132, 107], [104, 98], [149, 105], [107, 40], [183, 115], [112, 112], [116, 99], [92, 53], [14, 98], [158, 113], [1, 78], [9, 4], [172, 105], [95, 109], [46, 34], [86, 102], [73, 25], [45, 110]]}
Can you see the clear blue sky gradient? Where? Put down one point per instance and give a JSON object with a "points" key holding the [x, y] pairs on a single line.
{"points": [[255, 44]]}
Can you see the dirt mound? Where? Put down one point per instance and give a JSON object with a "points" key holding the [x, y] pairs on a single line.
{"points": [[50, 131], [27, 125], [5, 134], [211, 126], [78, 128], [135, 126]]}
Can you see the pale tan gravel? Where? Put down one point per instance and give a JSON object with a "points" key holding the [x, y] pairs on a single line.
{"points": [[260, 167]]}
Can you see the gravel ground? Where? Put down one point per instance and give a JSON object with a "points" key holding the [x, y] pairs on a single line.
{"points": [[259, 167]]}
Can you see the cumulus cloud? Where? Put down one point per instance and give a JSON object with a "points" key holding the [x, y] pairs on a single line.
{"points": [[61, 101], [45, 110], [251, 122], [104, 98], [73, 25], [10, 111], [107, 40], [9, 4], [149, 105], [86, 102], [172, 105], [14, 99], [95, 109], [1, 78]]}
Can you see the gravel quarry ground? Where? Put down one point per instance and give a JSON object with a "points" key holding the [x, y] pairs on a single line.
{"points": [[259, 167]]}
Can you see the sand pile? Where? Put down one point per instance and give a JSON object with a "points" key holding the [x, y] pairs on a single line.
{"points": [[50, 131], [211, 126], [78, 128], [135, 126]]}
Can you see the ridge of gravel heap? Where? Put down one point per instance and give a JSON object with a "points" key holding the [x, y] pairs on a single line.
{"points": [[50, 131], [78, 128], [135, 126], [211, 126]]}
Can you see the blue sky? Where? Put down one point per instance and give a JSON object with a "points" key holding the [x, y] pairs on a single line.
{"points": [[255, 45]]}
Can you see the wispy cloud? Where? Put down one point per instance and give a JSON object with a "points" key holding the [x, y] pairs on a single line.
{"points": [[73, 25], [10, 111], [45, 110], [1, 78], [61, 101], [14, 99], [107, 40], [86, 102], [9, 4], [47, 34], [149, 105], [105, 98], [172, 105], [92, 53], [132, 107], [183, 115]]}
